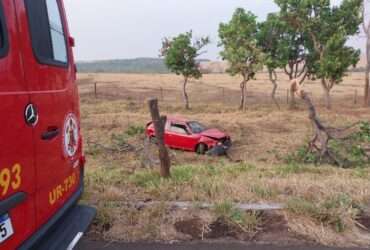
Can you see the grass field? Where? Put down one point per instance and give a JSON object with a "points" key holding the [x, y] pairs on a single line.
{"points": [[324, 204]]}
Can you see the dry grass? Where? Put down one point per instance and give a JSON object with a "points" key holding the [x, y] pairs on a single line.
{"points": [[322, 201]]}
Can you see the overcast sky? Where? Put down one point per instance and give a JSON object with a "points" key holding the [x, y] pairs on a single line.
{"points": [[115, 29]]}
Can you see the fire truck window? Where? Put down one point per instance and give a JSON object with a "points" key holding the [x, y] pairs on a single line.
{"points": [[47, 33], [56, 31], [3, 35]]}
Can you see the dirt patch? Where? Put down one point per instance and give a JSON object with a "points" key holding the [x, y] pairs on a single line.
{"points": [[194, 227], [221, 229], [200, 229], [273, 229]]}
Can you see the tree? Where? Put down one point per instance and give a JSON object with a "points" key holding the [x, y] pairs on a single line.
{"points": [[328, 29], [239, 42], [180, 54], [284, 47], [366, 27], [268, 36]]}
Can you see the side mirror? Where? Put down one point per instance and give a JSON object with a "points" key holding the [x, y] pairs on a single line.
{"points": [[71, 41]]}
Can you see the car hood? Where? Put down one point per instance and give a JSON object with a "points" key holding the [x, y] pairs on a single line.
{"points": [[214, 133]]}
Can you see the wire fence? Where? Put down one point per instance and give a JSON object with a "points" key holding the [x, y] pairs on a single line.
{"points": [[206, 94]]}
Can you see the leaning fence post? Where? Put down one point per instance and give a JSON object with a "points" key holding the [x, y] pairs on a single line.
{"points": [[159, 125]]}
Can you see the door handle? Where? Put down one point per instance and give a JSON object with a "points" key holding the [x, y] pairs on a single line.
{"points": [[50, 134]]}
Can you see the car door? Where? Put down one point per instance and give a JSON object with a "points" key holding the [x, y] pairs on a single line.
{"points": [[180, 137], [190, 140], [17, 169], [50, 74], [174, 135]]}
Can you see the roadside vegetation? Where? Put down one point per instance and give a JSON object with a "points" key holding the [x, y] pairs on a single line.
{"points": [[316, 190], [268, 165]]}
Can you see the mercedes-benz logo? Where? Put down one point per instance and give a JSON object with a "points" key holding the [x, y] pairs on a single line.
{"points": [[31, 115]]}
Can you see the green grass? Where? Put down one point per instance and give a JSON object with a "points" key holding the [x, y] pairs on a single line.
{"points": [[361, 172], [183, 174], [237, 169], [146, 179], [104, 176], [263, 192], [296, 168], [135, 130]]}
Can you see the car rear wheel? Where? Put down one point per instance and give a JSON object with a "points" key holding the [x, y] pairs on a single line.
{"points": [[201, 149]]}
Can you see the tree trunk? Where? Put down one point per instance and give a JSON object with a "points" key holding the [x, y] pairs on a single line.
{"points": [[185, 94], [159, 126], [367, 72], [293, 84], [327, 96], [242, 94], [367, 87], [273, 79], [245, 96]]}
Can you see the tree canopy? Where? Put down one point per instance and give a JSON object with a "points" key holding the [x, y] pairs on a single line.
{"points": [[180, 56], [328, 28], [239, 41], [283, 45]]}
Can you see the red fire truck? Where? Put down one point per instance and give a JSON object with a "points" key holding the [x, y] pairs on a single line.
{"points": [[41, 157]]}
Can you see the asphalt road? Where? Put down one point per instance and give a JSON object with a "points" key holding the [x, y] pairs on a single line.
{"points": [[92, 245]]}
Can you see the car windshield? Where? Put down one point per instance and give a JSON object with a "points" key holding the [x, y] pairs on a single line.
{"points": [[196, 127]]}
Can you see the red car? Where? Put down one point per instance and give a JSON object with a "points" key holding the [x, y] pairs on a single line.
{"points": [[190, 135]]}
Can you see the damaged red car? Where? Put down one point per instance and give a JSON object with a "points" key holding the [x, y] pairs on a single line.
{"points": [[190, 135]]}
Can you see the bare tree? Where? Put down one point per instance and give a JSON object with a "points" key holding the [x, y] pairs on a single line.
{"points": [[366, 27], [323, 134]]}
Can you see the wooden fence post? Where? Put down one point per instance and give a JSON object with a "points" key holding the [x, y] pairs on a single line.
{"points": [[355, 98], [96, 90], [128, 121], [223, 94], [159, 125], [162, 95]]}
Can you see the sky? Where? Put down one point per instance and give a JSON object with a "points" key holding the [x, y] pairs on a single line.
{"points": [[117, 29]]}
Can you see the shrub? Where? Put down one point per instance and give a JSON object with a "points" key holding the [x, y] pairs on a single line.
{"points": [[302, 155]]}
